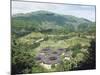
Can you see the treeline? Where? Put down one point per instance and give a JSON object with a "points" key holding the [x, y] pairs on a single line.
{"points": [[89, 61], [23, 61], [42, 21]]}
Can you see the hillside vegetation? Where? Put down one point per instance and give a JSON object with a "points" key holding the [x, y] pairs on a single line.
{"points": [[35, 31]]}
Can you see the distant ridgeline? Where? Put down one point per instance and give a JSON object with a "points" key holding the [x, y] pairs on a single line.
{"points": [[48, 22]]}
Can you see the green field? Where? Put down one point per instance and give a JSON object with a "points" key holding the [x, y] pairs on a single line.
{"points": [[74, 37]]}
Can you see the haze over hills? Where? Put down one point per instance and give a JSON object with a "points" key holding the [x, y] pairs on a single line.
{"points": [[49, 21]]}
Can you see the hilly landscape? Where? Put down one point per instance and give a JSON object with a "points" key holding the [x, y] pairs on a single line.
{"points": [[35, 37], [46, 21]]}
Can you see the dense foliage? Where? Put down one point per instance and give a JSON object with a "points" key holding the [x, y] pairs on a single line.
{"points": [[34, 31]]}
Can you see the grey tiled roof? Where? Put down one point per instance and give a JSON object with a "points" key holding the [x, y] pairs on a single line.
{"points": [[51, 56], [52, 59]]}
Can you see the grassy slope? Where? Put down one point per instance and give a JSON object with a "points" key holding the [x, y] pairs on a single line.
{"points": [[54, 42]]}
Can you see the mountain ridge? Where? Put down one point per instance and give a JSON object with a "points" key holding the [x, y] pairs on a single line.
{"points": [[44, 12], [45, 20]]}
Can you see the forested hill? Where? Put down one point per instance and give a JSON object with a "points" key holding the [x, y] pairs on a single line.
{"points": [[48, 21]]}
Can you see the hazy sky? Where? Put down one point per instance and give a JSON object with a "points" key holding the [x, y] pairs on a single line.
{"points": [[87, 12]]}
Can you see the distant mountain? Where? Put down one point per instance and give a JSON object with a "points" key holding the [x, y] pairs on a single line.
{"points": [[45, 20], [49, 16]]}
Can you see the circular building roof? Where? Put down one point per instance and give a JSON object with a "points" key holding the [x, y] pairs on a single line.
{"points": [[46, 50], [50, 55], [39, 58], [52, 59]]}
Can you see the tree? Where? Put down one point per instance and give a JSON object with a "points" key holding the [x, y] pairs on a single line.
{"points": [[22, 61], [90, 61]]}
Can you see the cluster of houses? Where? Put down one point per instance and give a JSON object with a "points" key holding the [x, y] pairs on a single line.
{"points": [[50, 56]]}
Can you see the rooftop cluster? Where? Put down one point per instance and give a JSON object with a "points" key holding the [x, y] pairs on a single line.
{"points": [[51, 55]]}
